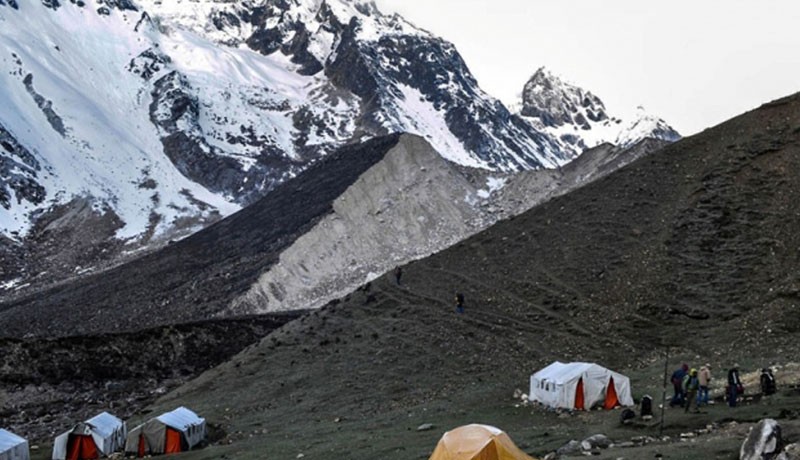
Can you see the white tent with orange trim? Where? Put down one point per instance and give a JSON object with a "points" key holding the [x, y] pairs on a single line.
{"points": [[169, 433], [100, 436], [580, 386], [477, 442]]}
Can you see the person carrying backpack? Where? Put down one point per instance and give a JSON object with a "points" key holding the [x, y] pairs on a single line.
{"points": [[704, 379], [459, 302], [677, 385], [735, 387], [768, 386], [690, 386]]}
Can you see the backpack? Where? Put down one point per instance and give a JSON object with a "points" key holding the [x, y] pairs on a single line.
{"points": [[647, 406]]}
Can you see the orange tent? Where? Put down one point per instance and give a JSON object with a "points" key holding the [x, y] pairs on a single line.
{"points": [[477, 442]]}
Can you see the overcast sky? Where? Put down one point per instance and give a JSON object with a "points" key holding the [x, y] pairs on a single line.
{"points": [[694, 63]]}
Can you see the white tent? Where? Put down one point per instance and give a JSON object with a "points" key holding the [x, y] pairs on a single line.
{"points": [[580, 386], [172, 432], [12, 447], [101, 435]]}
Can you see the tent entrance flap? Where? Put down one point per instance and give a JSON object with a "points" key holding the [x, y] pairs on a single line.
{"points": [[488, 453], [172, 442], [81, 447], [141, 449], [579, 404], [612, 400]]}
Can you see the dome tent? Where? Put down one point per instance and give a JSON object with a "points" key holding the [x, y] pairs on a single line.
{"points": [[580, 386], [477, 442], [169, 433], [101, 435], [13, 447]]}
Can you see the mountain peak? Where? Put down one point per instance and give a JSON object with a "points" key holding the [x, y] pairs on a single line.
{"points": [[557, 102], [579, 120]]}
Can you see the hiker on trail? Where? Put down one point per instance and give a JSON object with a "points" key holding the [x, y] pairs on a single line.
{"points": [[398, 273], [735, 387], [704, 379], [677, 385], [768, 386], [459, 302], [690, 386]]}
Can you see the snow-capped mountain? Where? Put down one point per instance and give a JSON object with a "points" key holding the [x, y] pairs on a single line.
{"points": [[165, 110], [128, 123], [154, 118], [578, 120]]}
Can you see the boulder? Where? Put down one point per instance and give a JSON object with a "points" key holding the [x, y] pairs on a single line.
{"points": [[790, 452], [597, 441], [763, 443], [571, 447]]}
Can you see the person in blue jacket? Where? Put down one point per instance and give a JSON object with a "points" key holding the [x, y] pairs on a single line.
{"points": [[678, 397]]}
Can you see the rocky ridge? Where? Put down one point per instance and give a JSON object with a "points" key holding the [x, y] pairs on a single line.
{"points": [[577, 119], [383, 198]]}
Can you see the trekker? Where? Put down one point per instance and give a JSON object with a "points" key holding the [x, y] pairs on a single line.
{"points": [[459, 302], [690, 387], [398, 273], [704, 379], [677, 385], [768, 386], [735, 387]]}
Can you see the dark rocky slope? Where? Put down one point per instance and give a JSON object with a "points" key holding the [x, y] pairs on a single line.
{"points": [[405, 203], [194, 278], [48, 385], [695, 247]]}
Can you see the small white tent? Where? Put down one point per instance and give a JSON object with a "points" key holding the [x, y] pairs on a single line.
{"points": [[580, 386], [101, 435], [12, 447], [172, 432]]}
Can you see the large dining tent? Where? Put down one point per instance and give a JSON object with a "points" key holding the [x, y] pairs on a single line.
{"points": [[580, 386]]}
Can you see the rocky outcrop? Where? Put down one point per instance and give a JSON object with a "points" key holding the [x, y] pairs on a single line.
{"points": [[763, 443], [46, 106], [578, 120], [175, 110], [18, 172], [557, 103]]}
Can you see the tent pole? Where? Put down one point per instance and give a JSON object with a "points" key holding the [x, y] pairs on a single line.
{"points": [[664, 391]]}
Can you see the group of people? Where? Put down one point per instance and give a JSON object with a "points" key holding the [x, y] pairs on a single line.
{"points": [[691, 386]]}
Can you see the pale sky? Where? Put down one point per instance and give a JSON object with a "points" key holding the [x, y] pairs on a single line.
{"points": [[694, 63]]}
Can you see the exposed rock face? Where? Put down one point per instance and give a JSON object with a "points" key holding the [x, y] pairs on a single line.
{"points": [[175, 111], [46, 106], [410, 204], [578, 119], [18, 173], [763, 443], [557, 103]]}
